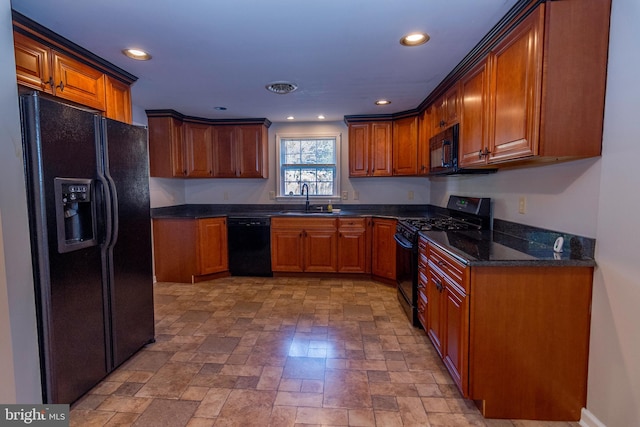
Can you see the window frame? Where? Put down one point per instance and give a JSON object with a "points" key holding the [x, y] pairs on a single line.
{"points": [[337, 136]]}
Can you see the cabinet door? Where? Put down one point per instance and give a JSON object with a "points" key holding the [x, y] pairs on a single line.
{"points": [[118, 97], [474, 116], [384, 249], [425, 132], [286, 250], [381, 149], [405, 146], [353, 246], [321, 251], [435, 287], [447, 108], [33, 63], [78, 82], [198, 150], [456, 320], [359, 137], [212, 246], [224, 156], [166, 147], [516, 74], [251, 144]]}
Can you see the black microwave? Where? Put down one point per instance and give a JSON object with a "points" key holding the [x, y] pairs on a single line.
{"points": [[444, 154], [443, 149]]}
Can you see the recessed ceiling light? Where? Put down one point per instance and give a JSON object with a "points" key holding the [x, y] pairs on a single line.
{"points": [[321, 117], [383, 102], [220, 108], [281, 88], [414, 39], [138, 54], [290, 118]]}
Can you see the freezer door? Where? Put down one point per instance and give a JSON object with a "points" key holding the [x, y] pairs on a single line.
{"points": [[60, 141], [131, 281]]}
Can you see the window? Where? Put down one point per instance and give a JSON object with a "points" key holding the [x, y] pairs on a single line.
{"points": [[309, 160]]}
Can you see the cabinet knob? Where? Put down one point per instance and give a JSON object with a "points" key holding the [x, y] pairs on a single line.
{"points": [[61, 86]]}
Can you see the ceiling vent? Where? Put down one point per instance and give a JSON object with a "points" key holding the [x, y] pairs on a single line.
{"points": [[281, 88]]}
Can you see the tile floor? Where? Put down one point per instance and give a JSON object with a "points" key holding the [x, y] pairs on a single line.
{"points": [[282, 352]]}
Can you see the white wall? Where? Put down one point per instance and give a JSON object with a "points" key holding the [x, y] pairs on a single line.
{"points": [[614, 365], [19, 372], [561, 197], [370, 190]]}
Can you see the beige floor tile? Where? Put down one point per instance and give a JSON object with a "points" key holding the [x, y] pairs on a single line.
{"points": [[282, 352]]}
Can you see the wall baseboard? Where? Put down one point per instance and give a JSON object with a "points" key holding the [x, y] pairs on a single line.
{"points": [[587, 419]]}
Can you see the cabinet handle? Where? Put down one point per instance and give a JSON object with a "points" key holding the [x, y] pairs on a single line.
{"points": [[480, 154], [442, 123], [439, 286], [48, 82], [61, 86]]}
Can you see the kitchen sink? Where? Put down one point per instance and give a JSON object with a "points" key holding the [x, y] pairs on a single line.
{"points": [[305, 213]]}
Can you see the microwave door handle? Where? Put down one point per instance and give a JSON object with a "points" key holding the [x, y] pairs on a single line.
{"points": [[444, 144]]}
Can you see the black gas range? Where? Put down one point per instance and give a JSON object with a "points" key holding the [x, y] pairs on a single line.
{"points": [[462, 213]]}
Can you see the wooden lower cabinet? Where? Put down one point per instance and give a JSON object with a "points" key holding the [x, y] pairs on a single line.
{"points": [[515, 339], [321, 245], [383, 247], [354, 245], [189, 250], [304, 245]]}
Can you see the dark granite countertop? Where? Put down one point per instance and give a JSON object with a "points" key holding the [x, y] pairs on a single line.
{"points": [[240, 211], [499, 249], [507, 244]]}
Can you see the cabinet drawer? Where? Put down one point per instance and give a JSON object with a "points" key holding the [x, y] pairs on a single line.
{"points": [[304, 223], [352, 223], [453, 269]]}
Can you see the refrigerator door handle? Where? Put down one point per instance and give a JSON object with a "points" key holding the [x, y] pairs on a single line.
{"points": [[106, 192], [114, 210]]}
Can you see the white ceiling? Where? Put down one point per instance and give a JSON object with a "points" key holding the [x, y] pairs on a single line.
{"points": [[343, 54]]}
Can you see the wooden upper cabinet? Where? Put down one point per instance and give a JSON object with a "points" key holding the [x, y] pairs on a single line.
{"points": [[188, 147], [426, 130], [166, 147], [252, 151], [405, 146], [33, 63], [198, 150], [224, 153], [370, 149], [42, 68], [51, 64], [474, 118], [516, 78], [78, 82], [446, 108], [240, 151], [118, 97]]}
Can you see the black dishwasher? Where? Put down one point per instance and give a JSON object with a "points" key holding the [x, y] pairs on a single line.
{"points": [[249, 246]]}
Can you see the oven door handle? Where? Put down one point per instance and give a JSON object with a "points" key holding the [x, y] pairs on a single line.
{"points": [[403, 242]]}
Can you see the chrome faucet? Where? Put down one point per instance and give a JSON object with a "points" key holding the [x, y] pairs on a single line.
{"points": [[306, 205]]}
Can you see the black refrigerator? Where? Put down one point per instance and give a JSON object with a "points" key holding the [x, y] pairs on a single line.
{"points": [[89, 217]]}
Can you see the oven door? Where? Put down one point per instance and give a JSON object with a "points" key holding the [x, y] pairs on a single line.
{"points": [[407, 277]]}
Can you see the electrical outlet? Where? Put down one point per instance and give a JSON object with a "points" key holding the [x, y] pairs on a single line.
{"points": [[522, 205], [345, 195], [410, 195], [356, 195], [272, 195]]}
